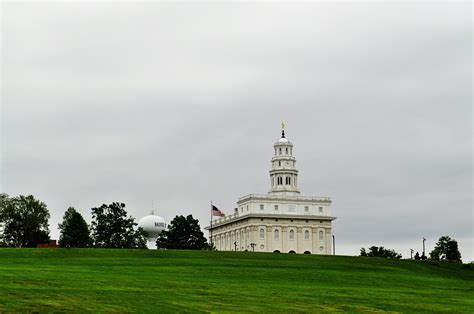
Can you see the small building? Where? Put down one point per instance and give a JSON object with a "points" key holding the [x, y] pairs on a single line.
{"points": [[280, 221], [52, 245]]}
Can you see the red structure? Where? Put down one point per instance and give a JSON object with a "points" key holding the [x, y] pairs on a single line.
{"points": [[51, 244]]}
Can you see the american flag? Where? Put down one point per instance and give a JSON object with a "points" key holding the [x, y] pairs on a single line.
{"points": [[217, 212]]}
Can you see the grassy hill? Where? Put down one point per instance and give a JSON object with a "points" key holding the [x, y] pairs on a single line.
{"points": [[164, 281]]}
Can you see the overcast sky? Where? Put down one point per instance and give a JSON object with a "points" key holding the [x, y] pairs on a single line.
{"points": [[181, 103]]}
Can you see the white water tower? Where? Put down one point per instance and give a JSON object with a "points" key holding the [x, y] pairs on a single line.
{"points": [[153, 225]]}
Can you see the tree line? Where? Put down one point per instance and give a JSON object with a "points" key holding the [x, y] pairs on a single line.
{"points": [[25, 222], [446, 249]]}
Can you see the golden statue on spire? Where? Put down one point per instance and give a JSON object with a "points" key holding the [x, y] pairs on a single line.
{"points": [[283, 125]]}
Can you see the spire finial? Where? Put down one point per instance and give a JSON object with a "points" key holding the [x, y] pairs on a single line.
{"points": [[282, 130]]}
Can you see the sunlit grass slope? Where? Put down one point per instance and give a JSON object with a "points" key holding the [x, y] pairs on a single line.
{"points": [[106, 280]]}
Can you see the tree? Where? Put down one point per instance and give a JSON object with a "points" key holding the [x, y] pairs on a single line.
{"points": [[74, 230], [184, 233], [417, 256], [3, 200], [446, 250], [111, 228], [25, 219], [375, 251]]}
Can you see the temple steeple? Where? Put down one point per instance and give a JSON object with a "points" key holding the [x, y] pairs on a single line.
{"points": [[283, 175]]}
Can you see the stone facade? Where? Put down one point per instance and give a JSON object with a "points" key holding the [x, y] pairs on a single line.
{"points": [[281, 220]]}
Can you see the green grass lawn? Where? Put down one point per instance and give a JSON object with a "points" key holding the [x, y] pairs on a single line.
{"points": [[108, 280]]}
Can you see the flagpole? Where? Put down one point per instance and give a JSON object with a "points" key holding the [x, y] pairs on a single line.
{"points": [[210, 230]]}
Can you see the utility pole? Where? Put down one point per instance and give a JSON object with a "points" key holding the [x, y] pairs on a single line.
{"points": [[411, 253], [424, 246]]}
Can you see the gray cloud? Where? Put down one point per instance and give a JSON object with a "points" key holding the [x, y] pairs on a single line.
{"points": [[181, 103]]}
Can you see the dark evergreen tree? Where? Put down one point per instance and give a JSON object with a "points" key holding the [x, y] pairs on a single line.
{"points": [[184, 233], [375, 251], [417, 256], [74, 230], [111, 228], [446, 249], [25, 219]]}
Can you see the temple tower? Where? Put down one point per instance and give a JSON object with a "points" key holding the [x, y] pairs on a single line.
{"points": [[283, 175]]}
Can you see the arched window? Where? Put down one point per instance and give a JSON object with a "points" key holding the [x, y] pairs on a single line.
{"points": [[277, 234], [287, 150], [262, 233], [279, 164], [292, 234], [306, 235], [321, 235], [279, 151]]}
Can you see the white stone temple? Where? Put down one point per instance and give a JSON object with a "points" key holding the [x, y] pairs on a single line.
{"points": [[280, 221]]}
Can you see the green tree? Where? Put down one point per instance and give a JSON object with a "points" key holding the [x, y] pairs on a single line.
{"points": [[111, 228], [446, 250], [184, 233], [74, 230], [3, 200], [375, 251], [25, 219]]}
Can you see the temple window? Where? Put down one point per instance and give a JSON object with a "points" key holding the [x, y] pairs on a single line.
{"points": [[306, 235]]}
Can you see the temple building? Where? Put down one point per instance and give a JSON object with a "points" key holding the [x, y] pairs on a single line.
{"points": [[280, 221]]}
